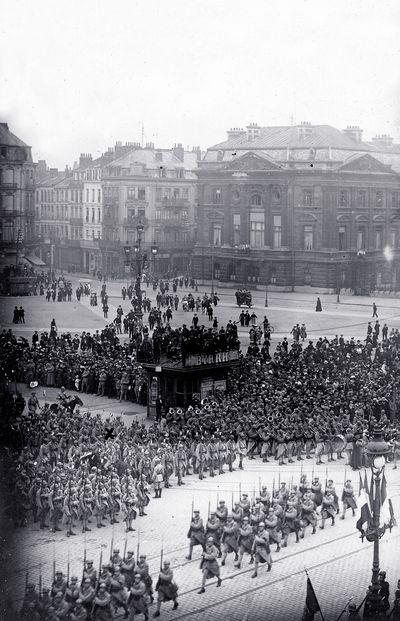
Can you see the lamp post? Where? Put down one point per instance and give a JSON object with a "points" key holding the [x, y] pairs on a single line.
{"points": [[376, 450], [138, 286]]}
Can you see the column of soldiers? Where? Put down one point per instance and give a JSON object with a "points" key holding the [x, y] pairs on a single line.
{"points": [[122, 585], [252, 527]]}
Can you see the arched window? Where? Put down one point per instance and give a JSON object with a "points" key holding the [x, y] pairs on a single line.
{"points": [[256, 199]]}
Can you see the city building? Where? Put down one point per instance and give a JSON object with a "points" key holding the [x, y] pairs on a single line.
{"points": [[299, 205], [156, 188], [17, 198]]}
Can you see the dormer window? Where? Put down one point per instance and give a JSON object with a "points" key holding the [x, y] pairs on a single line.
{"points": [[256, 200]]}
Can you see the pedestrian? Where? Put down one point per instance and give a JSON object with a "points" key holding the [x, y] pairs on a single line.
{"points": [[318, 307], [21, 315], [374, 310]]}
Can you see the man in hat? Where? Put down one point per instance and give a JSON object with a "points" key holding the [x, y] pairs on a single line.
{"points": [[328, 509], [86, 595], [230, 539], [128, 568], [142, 569], [166, 588], [180, 463], [353, 613], [261, 549], [214, 530], [348, 499], [209, 564], [72, 592], [102, 610], [59, 585], [89, 573], [383, 589], [158, 477], [245, 504], [222, 512], [137, 598], [78, 613], [245, 541], [118, 590], [196, 533]]}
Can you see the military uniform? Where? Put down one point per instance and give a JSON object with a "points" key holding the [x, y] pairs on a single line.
{"points": [[229, 539], [261, 549], [166, 588], [196, 533], [209, 564]]}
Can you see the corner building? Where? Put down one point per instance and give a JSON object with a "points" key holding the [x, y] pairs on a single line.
{"points": [[300, 205]]}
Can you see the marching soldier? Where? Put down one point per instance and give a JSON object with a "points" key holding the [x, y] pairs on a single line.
{"points": [[246, 539], [102, 604], [128, 568], [222, 454], [256, 516], [231, 453], [166, 588], [230, 539], [59, 584], [331, 488], [245, 504], [209, 564], [237, 512], [308, 514], [348, 499], [291, 522], [78, 613], [328, 509], [222, 512], [72, 592], [86, 595], [316, 490], [137, 598], [142, 569], [56, 501], [116, 558], [270, 524], [118, 590], [265, 498], [261, 549], [214, 530], [128, 509], [86, 505], [196, 533]]}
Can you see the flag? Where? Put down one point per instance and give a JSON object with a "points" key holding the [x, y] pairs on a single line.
{"points": [[383, 490], [312, 606], [369, 491], [387, 514], [364, 512]]}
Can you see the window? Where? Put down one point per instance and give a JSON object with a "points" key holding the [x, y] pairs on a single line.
{"points": [[307, 198], [92, 233], [378, 239], [93, 195], [87, 234], [343, 198], [342, 242], [392, 238], [141, 213], [87, 195], [277, 231], [3, 151], [131, 193], [217, 234], [256, 230], [93, 215], [158, 214], [217, 196], [361, 198], [276, 196], [87, 214], [99, 215], [99, 196], [185, 193], [176, 193], [308, 237], [379, 199], [236, 229], [180, 173], [142, 194], [395, 200], [256, 200], [158, 194], [361, 238]]}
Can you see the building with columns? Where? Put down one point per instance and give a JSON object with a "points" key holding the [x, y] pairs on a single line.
{"points": [[300, 205], [17, 198]]}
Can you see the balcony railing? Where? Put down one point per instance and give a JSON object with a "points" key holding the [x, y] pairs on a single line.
{"points": [[136, 202], [175, 202], [8, 186], [133, 222]]}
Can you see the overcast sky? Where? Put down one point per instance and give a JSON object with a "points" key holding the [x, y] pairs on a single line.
{"points": [[76, 76]]}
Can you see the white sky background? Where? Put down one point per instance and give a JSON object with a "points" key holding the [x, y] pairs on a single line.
{"points": [[76, 76]]}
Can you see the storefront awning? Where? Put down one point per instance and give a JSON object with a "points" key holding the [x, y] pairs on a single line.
{"points": [[34, 260]]}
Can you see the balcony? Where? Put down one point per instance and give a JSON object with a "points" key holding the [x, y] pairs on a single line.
{"points": [[10, 187], [136, 202], [175, 202], [133, 222]]}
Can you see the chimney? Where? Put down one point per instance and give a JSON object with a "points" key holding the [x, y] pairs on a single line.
{"points": [[304, 130], [353, 132], [382, 140], [198, 153], [85, 159], [253, 131], [4, 126], [235, 132], [178, 151], [41, 167]]}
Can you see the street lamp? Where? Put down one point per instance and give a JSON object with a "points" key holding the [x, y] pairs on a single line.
{"points": [[154, 251], [138, 286], [376, 450]]}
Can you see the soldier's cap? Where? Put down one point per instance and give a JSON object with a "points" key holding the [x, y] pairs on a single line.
{"points": [[78, 601], [59, 573], [30, 585], [74, 578], [261, 524], [102, 584], [222, 502], [382, 573], [245, 519], [352, 607], [89, 562], [142, 556], [210, 538], [196, 511], [45, 590], [130, 552], [116, 550], [167, 563], [245, 495], [86, 580]]}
